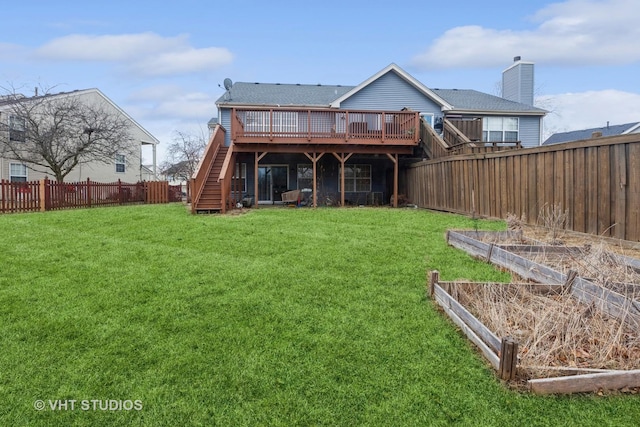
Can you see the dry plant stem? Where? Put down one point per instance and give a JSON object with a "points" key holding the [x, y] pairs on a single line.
{"points": [[553, 218], [554, 330]]}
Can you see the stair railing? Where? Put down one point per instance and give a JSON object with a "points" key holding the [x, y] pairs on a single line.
{"points": [[225, 178], [454, 136], [203, 170], [435, 146]]}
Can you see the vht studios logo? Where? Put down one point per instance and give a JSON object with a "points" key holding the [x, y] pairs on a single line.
{"points": [[88, 405]]}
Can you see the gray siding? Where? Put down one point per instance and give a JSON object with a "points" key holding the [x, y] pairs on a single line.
{"points": [[517, 84], [391, 93], [225, 121], [530, 131]]}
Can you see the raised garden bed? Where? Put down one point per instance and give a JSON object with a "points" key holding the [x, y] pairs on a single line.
{"points": [[533, 262], [551, 324]]}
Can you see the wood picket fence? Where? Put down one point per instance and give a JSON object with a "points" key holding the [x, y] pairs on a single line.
{"points": [[46, 195]]}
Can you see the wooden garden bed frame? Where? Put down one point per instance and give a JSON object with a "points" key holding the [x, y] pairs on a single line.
{"points": [[582, 289], [502, 352]]}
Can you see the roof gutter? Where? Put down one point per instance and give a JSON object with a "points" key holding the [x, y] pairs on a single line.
{"points": [[499, 113]]}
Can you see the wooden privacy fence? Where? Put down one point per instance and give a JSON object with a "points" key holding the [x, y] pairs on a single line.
{"points": [[45, 195], [596, 182]]}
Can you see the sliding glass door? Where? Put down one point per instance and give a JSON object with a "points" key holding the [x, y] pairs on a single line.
{"points": [[272, 182]]}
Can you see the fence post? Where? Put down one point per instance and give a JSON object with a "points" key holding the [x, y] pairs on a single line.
{"points": [[192, 184], [508, 359], [119, 191], [571, 277], [45, 201], [88, 191], [434, 276], [489, 253]]}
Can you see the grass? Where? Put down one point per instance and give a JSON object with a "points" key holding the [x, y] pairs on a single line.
{"points": [[278, 317]]}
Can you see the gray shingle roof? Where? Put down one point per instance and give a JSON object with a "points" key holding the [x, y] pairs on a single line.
{"points": [[472, 100], [322, 95], [581, 134], [282, 94]]}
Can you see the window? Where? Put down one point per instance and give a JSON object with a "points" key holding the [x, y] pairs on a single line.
{"points": [[427, 117], [500, 129], [240, 173], [17, 172], [305, 176], [260, 121], [357, 178], [16, 129], [120, 163]]}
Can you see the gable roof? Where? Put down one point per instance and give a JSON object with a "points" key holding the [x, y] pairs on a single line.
{"points": [[402, 74], [581, 134], [472, 101], [323, 96], [19, 98]]}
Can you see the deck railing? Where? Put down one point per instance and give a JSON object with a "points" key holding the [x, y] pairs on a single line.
{"points": [[454, 141], [326, 126]]}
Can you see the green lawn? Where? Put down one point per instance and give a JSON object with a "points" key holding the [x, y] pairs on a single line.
{"points": [[276, 317]]}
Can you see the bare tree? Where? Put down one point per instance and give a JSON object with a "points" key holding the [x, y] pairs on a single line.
{"points": [[184, 154], [59, 132]]}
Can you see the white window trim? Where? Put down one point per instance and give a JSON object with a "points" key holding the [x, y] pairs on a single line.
{"points": [[123, 163], [486, 131], [429, 118], [26, 172], [17, 124]]}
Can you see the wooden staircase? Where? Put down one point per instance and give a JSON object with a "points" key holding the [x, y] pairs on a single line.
{"points": [[211, 182], [211, 194]]}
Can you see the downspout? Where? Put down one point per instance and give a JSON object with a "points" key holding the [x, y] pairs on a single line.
{"points": [[540, 140]]}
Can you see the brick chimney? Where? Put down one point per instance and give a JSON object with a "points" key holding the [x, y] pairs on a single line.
{"points": [[517, 82]]}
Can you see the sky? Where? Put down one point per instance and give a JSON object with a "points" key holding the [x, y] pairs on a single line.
{"points": [[164, 63]]}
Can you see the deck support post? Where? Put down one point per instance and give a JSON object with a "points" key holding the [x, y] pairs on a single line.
{"points": [[259, 156], [394, 159], [314, 157], [342, 158]]}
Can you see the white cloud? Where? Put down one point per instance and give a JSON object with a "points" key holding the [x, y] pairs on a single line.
{"points": [[585, 110], [184, 61], [174, 103], [146, 54], [575, 32]]}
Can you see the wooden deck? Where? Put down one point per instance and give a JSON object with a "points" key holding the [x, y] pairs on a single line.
{"points": [[324, 127]]}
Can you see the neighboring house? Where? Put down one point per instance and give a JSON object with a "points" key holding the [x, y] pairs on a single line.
{"points": [[126, 168], [352, 139], [177, 174], [578, 135], [146, 173]]}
